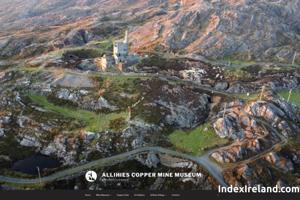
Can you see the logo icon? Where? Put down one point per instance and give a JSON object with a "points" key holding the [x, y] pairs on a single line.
{"points": [[91, 176]]}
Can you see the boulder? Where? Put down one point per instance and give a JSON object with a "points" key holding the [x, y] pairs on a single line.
{"points": [[221, 86], [103, 103], [89, 136], [29, 141], [152, 160]]}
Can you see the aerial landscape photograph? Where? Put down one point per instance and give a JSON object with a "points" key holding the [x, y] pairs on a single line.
{"points": [[149, 95]]}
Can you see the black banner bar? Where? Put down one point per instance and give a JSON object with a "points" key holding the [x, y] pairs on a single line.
{"points": [[119, 195]]}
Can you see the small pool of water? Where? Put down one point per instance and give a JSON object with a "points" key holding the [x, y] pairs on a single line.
{"points": [[29, 165]]}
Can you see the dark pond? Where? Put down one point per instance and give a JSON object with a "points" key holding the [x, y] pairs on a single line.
{"points": [[29, 165]]}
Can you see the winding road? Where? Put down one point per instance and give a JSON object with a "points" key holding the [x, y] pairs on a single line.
{"points": [[211, 167]]}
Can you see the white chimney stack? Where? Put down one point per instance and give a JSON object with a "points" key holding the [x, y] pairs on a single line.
{"points": [[126, 37]]}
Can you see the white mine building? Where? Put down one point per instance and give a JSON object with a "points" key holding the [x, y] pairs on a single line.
{"points": [[121, 48], [120, 57]]}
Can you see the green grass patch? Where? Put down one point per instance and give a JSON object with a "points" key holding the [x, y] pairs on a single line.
{"points": [[295, 96], [196, 141], [93, 121], [238, 73], [115, 85], [105, 45], [235, 61], [246, 97]]}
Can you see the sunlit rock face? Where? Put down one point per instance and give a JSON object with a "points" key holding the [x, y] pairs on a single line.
{"points": [[243, 29]]}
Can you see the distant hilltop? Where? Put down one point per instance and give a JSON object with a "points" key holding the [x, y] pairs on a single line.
{"points": [[229, 29]]}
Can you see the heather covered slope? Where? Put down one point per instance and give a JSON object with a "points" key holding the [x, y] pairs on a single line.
{"points": [[237, 29], [245, 29]]}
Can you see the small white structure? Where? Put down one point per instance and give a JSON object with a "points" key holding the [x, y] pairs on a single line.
{"points": [[104, 62]]}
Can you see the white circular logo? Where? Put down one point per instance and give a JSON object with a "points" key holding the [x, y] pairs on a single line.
{"points": [[91, 176]]}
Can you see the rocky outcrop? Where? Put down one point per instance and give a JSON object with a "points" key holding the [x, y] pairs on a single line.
{"points": [[182, 116], [5, 119], [152, 160], [241, 151], [64, 148], [28, 141], [215, 29], [74, 81], [277, 112], [87, 65], [174, 162], [193, 74], [78, 37], [227, 28], [2, 132], [184, 110], [221, 86], [280, 162], [236, 124], [14, 46], [138, 132], [84, 99], [253, 128]]}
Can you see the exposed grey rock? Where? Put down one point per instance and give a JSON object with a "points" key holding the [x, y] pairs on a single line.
{"points": [[137, 131], [67, 95], [194, 74], [22, 120], [152, 160], [185, 114], [74, 81], [267, 110], [28, 141], [87, 65], [221, 86], [228, 128], [2, 132], [276, 113], [14, 46], [292, 111], [174, 162], [103, 103], [50, 59], [138, 142], [89, 136], [63, 148], [7, 118], [237, 89]]}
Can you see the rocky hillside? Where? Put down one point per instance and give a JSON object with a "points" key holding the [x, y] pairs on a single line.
{"points": [[235, 29]]}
